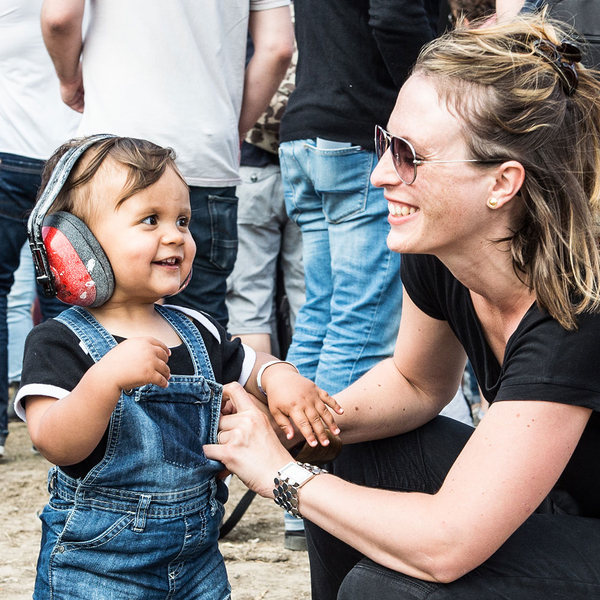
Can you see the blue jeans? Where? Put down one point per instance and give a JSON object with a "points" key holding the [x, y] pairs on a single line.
{"points": [[18, 316], [19, 182], [552, 556], [214, 229], [353, 291]]}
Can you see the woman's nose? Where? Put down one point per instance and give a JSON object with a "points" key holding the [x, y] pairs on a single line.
{"points": [[384, 174]]}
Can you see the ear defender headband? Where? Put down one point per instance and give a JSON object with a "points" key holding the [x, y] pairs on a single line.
{"points": [[69, 261]]}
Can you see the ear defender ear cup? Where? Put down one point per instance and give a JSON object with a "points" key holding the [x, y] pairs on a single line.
{"points": [[81, 270]]}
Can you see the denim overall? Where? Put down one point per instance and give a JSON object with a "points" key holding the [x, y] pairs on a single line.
{"points": [[143, 523]]}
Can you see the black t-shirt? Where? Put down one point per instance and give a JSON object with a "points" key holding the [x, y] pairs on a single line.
{"points": [[55, 357], [542, 361]]}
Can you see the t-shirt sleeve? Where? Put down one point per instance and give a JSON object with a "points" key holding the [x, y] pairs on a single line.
{"points": [[54, 361], [421, 277], [267, 4], [546, 362]]}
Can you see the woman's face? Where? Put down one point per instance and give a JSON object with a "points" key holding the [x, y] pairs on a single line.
{"points": [[447, 201]]}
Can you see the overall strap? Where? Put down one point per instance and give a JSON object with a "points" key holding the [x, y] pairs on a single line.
{"points": [[191, 337], [94, 337]]}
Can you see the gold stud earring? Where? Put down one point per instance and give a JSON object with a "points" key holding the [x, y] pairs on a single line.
{"points": [[492, 203]]}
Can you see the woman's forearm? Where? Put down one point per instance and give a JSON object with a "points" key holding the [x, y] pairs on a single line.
{"points": [[401, 531], [383, 403], [508, 466]]}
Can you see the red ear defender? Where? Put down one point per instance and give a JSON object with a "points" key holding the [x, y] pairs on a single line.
{"points": [[69, 261], [81, 271]]}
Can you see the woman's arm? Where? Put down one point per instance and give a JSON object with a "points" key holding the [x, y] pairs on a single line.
{"points": [[404, 392], [506, 469], [509, 465]]}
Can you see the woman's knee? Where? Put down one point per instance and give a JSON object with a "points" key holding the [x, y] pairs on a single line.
{"points": [[368, 580]]}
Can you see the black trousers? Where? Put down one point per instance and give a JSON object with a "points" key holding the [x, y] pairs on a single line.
{"points": [[551, 556]]}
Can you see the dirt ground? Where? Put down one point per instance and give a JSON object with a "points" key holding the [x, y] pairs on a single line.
{"points": [[258, 565]]}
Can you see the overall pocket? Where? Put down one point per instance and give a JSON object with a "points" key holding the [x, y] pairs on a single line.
{"points": [[88, 528], [184, 417]]}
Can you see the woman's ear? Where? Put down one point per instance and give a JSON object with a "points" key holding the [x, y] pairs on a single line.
{"points": [[509, 179]]}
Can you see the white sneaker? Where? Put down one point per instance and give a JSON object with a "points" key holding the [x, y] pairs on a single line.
{"points": [[1, 449]]}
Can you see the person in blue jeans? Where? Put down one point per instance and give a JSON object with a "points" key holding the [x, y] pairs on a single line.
{"points": [[353, 287], [20, 178], [33, 122], [122, 396]]}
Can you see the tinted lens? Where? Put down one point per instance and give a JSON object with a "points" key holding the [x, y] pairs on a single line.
{"points": [[404, 160], [403, 157], [381, 142]]}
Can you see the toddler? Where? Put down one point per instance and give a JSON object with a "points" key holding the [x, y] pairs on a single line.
{"points": [[121, 397]]}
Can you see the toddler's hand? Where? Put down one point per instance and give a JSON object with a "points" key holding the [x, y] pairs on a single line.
{"points": [[136, 362], [291, 396]]}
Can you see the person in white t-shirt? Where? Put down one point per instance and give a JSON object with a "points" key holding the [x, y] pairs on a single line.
{"points": [[175, 74], [33, 122]]}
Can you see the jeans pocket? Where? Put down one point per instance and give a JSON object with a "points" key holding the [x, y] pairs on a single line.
{"points": [[341, 177], [88, 528], [19, 182], [223, 225]]}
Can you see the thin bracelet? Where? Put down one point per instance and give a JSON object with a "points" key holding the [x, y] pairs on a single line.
{"points": [[266, 366]]}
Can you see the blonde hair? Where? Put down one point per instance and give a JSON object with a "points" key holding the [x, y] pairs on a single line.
{"points": [[143, 161], [513, 105]]}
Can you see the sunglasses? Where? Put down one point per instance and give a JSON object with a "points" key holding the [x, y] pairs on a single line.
{"points": [[404, 157]]}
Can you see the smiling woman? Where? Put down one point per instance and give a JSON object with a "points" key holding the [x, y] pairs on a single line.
{"points": [[490, 164]]}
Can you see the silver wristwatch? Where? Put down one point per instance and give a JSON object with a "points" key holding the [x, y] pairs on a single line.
{"points": [[287, 483]]}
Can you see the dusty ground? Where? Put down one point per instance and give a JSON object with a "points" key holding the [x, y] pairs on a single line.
{"points": [[258, 565]]}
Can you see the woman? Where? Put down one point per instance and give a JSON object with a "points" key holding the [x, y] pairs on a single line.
{"points": [[493, 189]]}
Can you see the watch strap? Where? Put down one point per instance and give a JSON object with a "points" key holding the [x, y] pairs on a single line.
{"points": [[285, 492]]}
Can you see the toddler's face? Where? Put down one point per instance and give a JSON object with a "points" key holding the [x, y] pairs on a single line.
{"points": [[147, 238]]}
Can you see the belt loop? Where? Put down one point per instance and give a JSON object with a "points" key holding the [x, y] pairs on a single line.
{"points": [[140, 515], [214, 505], [51, 479]]}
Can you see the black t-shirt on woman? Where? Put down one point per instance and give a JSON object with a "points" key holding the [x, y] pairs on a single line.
{"points": [[542, 361]]}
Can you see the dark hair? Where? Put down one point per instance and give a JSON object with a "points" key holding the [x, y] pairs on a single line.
{"points": [[144, 162]]}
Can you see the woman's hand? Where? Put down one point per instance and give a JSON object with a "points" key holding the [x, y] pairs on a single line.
{"points": [[248, 446]]}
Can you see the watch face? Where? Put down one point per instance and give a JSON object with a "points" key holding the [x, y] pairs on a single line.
{"points": [[296, 473]]}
